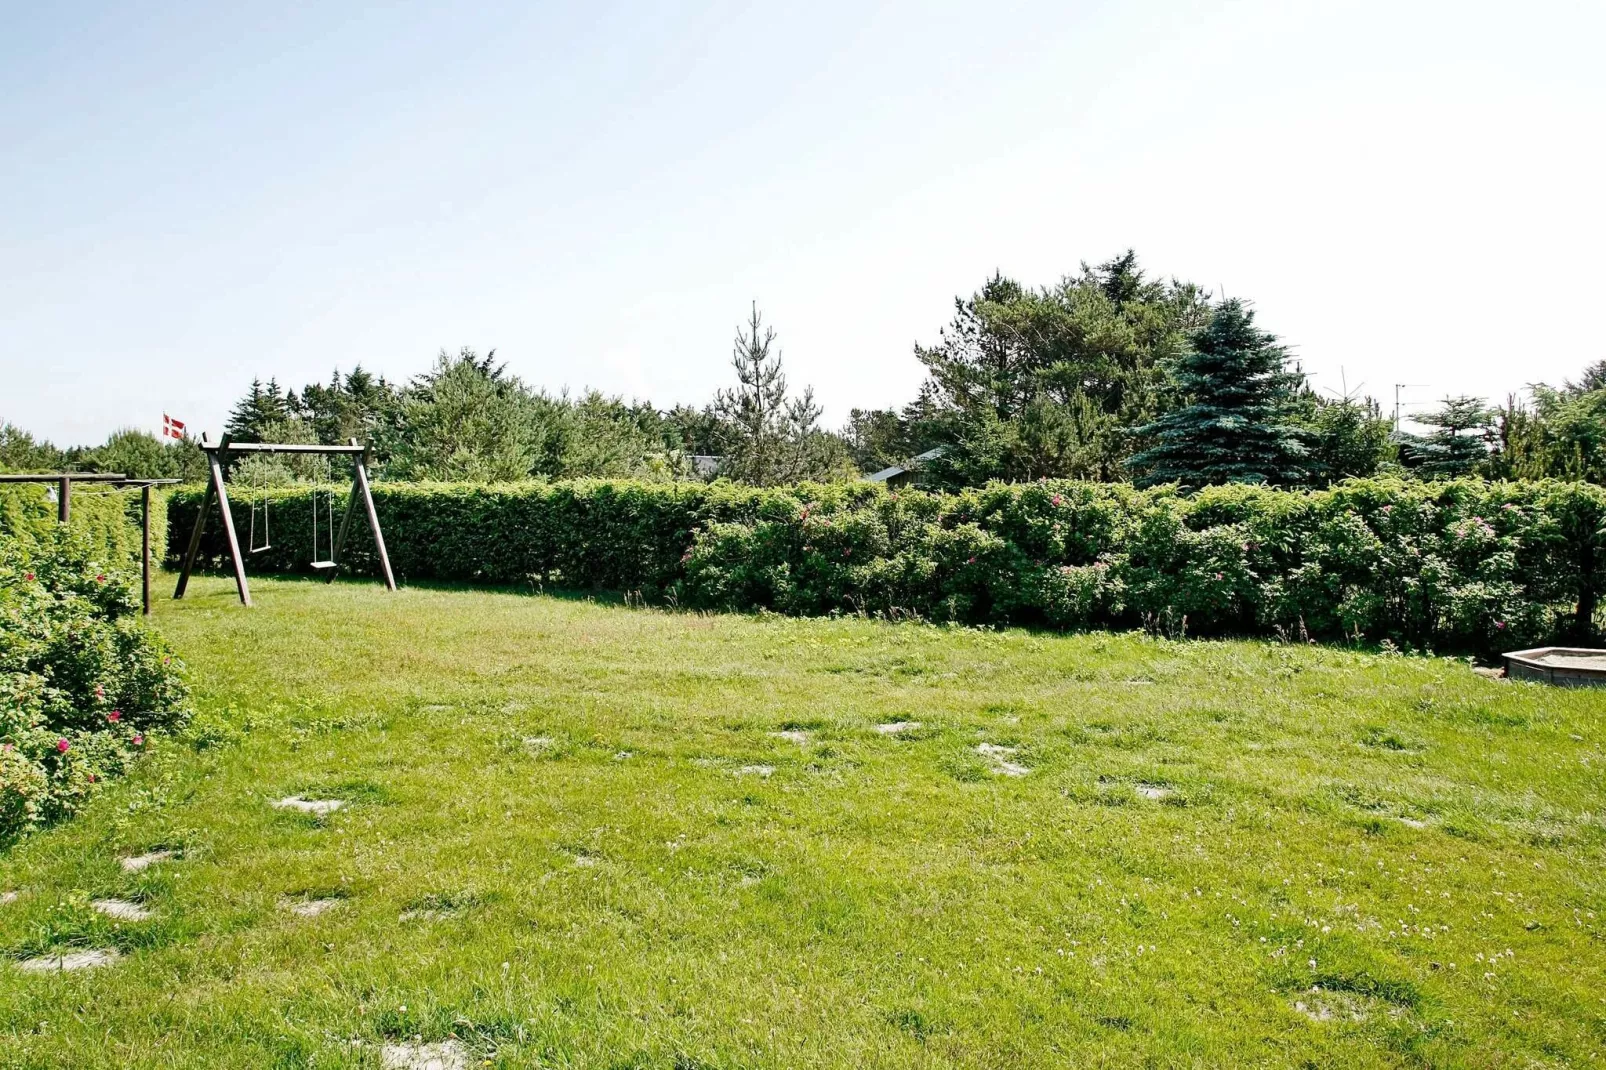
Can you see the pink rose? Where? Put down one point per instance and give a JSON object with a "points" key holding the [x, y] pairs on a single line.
{"points": [[115, 716], [138, 741], [63, 746]]}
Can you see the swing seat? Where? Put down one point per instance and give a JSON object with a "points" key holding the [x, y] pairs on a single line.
{"points": [[324, 564]]}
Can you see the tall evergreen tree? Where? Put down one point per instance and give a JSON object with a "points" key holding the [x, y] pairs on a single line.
{"points": [[1234, 426], [774, 436], [1459, 442], [1027, 383], [261, 408]]}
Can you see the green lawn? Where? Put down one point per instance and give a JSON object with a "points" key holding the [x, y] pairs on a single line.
{"points": [[573, 837]]}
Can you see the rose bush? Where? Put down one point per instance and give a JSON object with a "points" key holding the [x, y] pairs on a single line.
{"points": [[81, 680]]}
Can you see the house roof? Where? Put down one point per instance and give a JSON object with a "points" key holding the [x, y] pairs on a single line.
{"points": [[913, 463]]}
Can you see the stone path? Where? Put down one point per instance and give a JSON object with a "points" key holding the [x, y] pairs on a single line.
{"points": [[72, 960], [446, 1055], [1000, 757], [304, 805], [122, 909], [140, 863]]}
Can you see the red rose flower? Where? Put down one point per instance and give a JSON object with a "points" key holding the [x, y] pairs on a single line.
{"points": [[63, 746], [115, 716], [138, 741]]}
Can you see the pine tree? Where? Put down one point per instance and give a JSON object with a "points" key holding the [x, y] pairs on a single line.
{"points": [[1234, 426], [775, 437]]}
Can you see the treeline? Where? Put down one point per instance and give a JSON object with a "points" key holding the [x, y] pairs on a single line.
{"points": [[1110, 376]]}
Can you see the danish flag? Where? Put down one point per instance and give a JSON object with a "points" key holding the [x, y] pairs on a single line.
{"points": [[172, 428]]}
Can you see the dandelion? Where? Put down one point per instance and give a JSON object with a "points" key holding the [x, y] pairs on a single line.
{"points": [[63, 746]]}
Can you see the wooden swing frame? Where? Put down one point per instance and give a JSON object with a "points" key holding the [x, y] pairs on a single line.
{"points": [[217, 456]]}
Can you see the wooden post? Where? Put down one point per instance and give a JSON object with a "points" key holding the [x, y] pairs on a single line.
{"points": [[64, 501], [145, 547], [359, 485], [194, 549], [218, 457]]}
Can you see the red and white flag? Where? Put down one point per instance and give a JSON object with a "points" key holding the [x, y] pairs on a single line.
{"points": [[172, 428]]}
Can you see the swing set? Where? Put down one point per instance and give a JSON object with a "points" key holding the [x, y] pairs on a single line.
{"points": [[217, 456]]}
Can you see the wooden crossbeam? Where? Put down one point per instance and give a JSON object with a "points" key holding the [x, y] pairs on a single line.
{"points": [[280, 447]]}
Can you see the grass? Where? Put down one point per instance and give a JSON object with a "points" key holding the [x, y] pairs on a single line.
{"points": [[559, 846]]}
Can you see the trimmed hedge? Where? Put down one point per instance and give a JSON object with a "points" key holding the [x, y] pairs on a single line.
{"points": [[108, 518], [1464, 565]]}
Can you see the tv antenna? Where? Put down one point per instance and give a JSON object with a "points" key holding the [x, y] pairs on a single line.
{"points": [[1397, 388]]}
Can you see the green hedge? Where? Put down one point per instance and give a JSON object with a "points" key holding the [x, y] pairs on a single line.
{"points": [[1463, 565], [109, 518]]}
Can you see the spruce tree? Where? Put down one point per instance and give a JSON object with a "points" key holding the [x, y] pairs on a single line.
{"points": [[1459, 441], [1234, 424], [257, 412]]}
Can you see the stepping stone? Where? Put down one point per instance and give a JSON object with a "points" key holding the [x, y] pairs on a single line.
{"points": [[1152, 791], [309, 806], [140, 863], [792, 735], [122, 910], [73, 960], [446, 1055], [311, 908], [1000, 756], [892, 728], [755, 770]]}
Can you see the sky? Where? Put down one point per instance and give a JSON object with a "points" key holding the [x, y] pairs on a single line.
{"points": [[193, 196]]}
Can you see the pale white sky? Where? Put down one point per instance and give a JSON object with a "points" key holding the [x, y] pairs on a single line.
{"points": [[1409, 191]]}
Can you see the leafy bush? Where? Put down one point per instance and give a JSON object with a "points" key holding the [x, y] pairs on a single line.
{"points": [[1465, 565], [81, 681]]}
